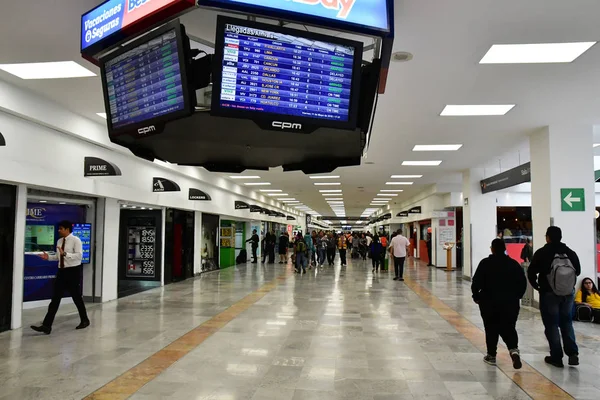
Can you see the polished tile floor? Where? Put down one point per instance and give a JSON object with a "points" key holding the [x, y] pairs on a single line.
{"points": [[265, 333]]}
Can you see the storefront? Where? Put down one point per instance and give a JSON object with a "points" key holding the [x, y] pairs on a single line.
{"points": [[210, 243], [45, 210], [179, 245], [7, 245], [140, 249]]}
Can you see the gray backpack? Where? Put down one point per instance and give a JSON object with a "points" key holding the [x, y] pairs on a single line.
{"points": [[562, 277]]}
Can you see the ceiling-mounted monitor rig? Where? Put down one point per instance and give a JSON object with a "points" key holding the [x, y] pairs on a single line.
{"points": [[281, 97]]}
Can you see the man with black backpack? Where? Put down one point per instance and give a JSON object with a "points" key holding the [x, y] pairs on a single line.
{"points": [[553, 272]]}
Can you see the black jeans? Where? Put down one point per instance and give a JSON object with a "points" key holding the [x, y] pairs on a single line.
{"points": [[66, 279], [399, 266], [254, 253], [500, 321], [557, 312], [330, 256], [376, 260], [343, 256]]}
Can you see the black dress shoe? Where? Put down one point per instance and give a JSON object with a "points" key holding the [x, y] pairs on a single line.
{"points": [[42, 329], [83, 325], [555, 363]]}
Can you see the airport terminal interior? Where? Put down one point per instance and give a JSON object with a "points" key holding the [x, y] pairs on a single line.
{"points": [[299, 200]]}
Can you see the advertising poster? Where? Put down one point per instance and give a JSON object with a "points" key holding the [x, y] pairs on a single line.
{"points": [[41, 235]]}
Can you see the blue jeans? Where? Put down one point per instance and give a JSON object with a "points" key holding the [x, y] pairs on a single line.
{"points": [[301, 261], [557, 313], [322, 254]]}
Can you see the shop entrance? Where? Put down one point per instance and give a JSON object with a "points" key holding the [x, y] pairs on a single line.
{"points": [[140, 246], [179, 246], [210, 242], [7, 242]]}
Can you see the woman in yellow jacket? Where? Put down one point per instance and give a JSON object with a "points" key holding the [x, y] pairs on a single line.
{"points": [[588, 299]]}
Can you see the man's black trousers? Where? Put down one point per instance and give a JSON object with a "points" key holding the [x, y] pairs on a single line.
{"points": [[500, 320]]}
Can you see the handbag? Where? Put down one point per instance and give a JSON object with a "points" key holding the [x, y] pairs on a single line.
{"points": [[583, 313]]}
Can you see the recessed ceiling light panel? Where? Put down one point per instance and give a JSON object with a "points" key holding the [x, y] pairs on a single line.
{"points": [[327, 184], [536, 53], [244, 177], [399, 183], [421, 163], [437, 147], [406, 176], [476, 110], [325, 177], [257, 184], [47, 70]]}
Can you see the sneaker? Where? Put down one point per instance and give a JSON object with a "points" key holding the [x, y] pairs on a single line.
{"points": [[557, 364], [489, 360], [574, 360], [516, 358]]}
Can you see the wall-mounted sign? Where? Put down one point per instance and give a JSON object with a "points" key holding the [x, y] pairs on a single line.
{"points": [[572, 199], [415, 210], [164, 185], [371, 14], [84, 233], [240, 205], [506, 179], [308, 220], [93, 166], [289, 218], [126, 17], [2, 141], [255, 209], [402, 214], [198, 195]]}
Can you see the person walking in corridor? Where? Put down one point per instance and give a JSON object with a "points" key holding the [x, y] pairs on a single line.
{"points": [[331, 246], [69, 253], [342, 244], [254, 240], [399, 250], [553, 272], [498, 286]]}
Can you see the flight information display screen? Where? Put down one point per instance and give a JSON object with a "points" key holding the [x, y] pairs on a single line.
{"points": [[145, 82], [272, 72]]}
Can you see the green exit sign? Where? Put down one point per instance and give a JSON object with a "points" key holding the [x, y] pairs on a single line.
{"points": [[572, 199]]}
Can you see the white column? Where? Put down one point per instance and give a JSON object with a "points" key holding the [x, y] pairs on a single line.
{"points": [[562, 158], [110, 250], [19, 258], [480, 220], [418, 243]]}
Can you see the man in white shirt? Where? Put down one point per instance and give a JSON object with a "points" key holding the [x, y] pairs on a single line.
{"points": [[399, 250], [69, 253]]}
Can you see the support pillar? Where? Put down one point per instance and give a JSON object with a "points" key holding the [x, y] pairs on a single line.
{"points": [[480, 221], [562, 158]]}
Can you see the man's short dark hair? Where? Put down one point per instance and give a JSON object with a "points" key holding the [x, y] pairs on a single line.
{"points": [[554, 234], [66, 225], [498, 246]]}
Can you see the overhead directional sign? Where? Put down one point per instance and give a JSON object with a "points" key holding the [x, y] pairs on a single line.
{"points": [[372, 14], [572, 199], [506, 179]]}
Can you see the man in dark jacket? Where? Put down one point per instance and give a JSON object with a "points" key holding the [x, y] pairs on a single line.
{"points": [[254, 239], [498, 286], [556, 310]]}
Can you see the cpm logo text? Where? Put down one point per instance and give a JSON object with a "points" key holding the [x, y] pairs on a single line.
{"points": [[286, 125], [146, 130]]}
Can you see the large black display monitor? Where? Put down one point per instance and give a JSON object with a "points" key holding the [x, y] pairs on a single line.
{"points": [[285, 78], [145, 82]]}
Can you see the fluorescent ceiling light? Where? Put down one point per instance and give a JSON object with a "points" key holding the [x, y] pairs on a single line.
{"points": [[257, 184], [437, 147], [291, 202], [327, 184], [287, 199], [392, 190], [387, 194], [536, 53], [325, 177], [331, 191], [406, 176], [101, 115], [421, 163], [596, 145], [399, 183], [476, 110], [245, 177], [271, 190], [47, 70], [334, 199], [277, 194]]}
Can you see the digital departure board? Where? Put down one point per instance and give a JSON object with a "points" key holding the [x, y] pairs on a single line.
{"points": [[146, 81], [272, 70], [84, 233]]}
